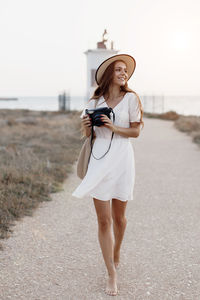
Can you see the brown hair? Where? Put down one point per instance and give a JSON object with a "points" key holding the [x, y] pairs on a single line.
{"points": [[105, 82]]}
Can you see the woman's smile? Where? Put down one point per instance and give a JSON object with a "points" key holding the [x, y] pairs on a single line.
{"points": [[120, 74]]}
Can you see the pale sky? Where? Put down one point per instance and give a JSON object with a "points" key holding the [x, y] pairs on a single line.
{"points": [[42, 44]]}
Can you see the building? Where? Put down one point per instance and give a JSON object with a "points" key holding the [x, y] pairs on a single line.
{"points": [[94, 58]]}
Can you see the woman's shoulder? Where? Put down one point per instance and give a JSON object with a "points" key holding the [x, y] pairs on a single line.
{"points": [[132, 99], [91, 102], [97, 102], [132, 96], [94, 99]]}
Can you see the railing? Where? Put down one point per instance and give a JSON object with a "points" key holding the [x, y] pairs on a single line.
{"points": [[153, 103]]}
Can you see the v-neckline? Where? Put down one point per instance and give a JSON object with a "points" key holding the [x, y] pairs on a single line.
{"points": [[117, 103]]}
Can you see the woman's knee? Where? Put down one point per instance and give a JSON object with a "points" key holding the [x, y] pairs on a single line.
{"points": [[104, 223], [120, 221]]}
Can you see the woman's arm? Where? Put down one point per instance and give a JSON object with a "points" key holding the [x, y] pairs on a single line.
{"points": [[132, 131]]}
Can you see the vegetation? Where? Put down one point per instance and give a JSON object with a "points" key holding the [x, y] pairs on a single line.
{"points": [[37, 150]]}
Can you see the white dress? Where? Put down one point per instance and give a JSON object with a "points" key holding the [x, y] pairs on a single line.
{"points": [[113, 176]]}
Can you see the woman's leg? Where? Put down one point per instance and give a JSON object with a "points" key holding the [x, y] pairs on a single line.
{"points": [[119, 226], [104, 218]]}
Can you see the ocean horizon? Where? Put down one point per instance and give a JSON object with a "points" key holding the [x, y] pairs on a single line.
{"points": [[185, 105]]}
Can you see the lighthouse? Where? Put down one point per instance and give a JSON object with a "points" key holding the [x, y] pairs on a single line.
{"points": [[94, 58]]}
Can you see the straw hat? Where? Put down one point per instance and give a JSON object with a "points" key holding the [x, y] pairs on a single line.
{"points": [[128, 59]]}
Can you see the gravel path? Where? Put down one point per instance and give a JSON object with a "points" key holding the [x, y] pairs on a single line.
{"points": [[55, 254]]}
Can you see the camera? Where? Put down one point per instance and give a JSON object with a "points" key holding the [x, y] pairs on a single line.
{"points": [[95, 115]]}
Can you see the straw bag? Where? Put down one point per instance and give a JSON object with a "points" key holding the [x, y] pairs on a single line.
{"points": [[84, 157]]}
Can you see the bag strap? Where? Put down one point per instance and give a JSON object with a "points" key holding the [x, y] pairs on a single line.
{"points": [[92, 133], [92, 136]]}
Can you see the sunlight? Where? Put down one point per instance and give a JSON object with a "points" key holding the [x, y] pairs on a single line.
{"points": [[180, 41]]}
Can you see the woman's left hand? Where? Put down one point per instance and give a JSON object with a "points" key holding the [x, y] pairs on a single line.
{"points": [[108, 123]]}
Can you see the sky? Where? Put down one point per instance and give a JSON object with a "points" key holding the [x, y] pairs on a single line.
{"points": [[43, 44]]}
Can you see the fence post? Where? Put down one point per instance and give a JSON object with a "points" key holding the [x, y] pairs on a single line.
{"points": [[64, 101], [163, 103], [153, 103]]}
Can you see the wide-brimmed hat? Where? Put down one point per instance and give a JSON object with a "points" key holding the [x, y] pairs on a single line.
{"points": [[128, 59]]}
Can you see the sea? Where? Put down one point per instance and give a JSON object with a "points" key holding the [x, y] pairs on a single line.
{"points": [[185, 105]]}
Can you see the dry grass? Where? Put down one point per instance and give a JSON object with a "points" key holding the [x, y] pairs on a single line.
{"points": [[188, 124], [37, 150], [170, 115]]}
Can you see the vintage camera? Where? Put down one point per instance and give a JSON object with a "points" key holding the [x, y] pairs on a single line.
{"points": [[95, 115]]}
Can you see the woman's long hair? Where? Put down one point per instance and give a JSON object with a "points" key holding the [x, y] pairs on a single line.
{"points": [[106, 80]]}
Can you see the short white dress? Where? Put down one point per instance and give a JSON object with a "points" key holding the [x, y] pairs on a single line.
{"points": [[113, 176]]}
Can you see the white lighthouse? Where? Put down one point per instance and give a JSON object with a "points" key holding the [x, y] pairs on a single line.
{"points": [[94, 58]]}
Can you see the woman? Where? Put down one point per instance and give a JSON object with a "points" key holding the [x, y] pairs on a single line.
{"points": [[113, 176]]}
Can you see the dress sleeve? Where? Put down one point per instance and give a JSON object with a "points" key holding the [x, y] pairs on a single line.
{"points": [[134, 109], [89, 105]]}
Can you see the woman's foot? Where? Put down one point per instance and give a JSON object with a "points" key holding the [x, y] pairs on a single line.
{"points": [[111, 287]]}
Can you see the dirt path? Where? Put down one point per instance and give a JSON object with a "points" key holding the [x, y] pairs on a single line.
{"points": [[55, 254]]}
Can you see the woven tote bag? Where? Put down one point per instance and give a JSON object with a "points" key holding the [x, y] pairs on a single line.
{"points": [[84, 155]]}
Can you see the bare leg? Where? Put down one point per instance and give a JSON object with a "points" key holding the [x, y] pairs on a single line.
{"points": [[119, 226], [104, 218]]}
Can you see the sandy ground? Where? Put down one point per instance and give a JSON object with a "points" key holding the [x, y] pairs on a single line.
{"points": [[55, 254]]}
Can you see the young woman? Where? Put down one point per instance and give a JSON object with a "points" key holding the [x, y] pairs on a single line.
{"points": [[113, 176]]}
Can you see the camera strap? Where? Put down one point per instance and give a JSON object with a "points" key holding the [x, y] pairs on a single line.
{"points": [[92, 136]]}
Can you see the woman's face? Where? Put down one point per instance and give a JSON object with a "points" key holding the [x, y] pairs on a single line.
{"points": [[120, 75]]}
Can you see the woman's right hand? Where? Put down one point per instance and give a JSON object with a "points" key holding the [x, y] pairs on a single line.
{"points": [[86, 121], [87, 125]]}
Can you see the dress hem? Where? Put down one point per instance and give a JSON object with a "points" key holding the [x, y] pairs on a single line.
{"points": [[97, 197]]}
